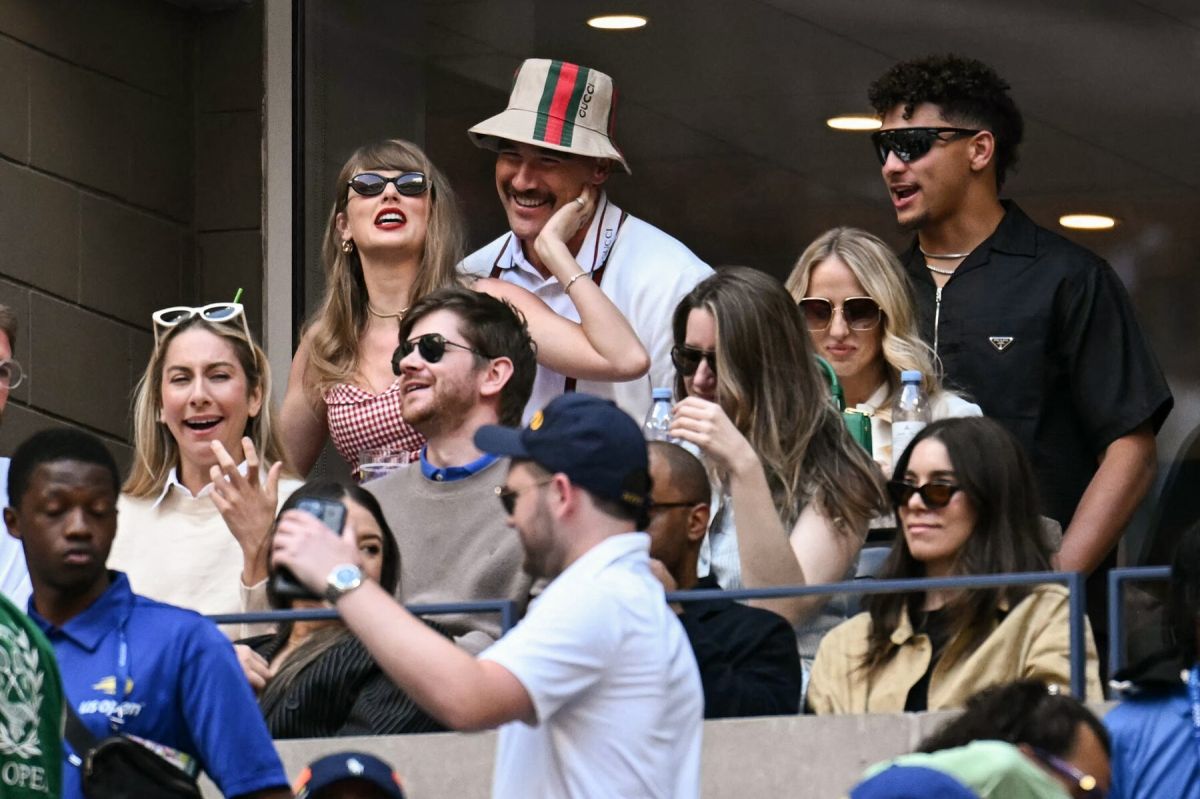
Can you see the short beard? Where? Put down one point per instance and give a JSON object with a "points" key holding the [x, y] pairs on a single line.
{"points": [[913, 225]]}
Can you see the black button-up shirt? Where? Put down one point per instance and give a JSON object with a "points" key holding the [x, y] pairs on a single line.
{"points": [[1041, 334], [748, 659]]}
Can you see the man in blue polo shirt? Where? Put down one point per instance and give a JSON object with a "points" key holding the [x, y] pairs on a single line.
{"points": [[183, 688]]}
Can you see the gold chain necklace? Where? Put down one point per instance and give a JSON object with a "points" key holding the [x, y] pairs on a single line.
{"points": [[398, 315]]}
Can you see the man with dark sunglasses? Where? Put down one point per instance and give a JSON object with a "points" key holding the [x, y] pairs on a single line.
{"points": [[554, 139], [749, 663], [465, 360], [1035, 329]]}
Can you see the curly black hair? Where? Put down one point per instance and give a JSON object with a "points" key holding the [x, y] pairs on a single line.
{"points": [[1021, 712], [968, 92]]}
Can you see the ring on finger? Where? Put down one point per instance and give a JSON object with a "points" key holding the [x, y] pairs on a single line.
{"points": [[582, 202]]}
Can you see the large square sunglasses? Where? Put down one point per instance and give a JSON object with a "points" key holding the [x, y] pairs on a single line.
{"points": [[217, 312], [934, 495], [909, 144], [687, 359], [860, 313], [369, 184]]}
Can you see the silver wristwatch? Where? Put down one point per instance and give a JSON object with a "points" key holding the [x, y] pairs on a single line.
{"points": [[342, 580]]}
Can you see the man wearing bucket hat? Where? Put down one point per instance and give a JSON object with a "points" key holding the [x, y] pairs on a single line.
{"points": [[600, 672], [552, 142]]}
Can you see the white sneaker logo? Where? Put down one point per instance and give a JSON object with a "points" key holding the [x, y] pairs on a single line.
{"points": [[1001, 343]]}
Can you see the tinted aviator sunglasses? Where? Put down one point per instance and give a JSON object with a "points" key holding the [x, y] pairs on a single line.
{"points": [[508, 496], [687, 359], [431, 346], [934, 495], [860, 313], [909, 144], [219, 312], [409, 184]]}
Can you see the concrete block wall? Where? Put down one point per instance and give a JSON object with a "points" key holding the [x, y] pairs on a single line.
{"points": [[129, 181]]}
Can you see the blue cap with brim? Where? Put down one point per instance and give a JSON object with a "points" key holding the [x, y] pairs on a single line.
{"points": [[590, 440]]}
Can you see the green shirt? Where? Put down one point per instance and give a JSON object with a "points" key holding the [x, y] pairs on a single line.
{"points": [[993, 769], [31, 710]]}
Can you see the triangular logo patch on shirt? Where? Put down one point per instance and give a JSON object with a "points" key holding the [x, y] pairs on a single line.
{"points": [[1001, 343]]}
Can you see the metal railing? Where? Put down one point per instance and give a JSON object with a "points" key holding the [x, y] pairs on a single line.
{"points": [[1117, 578], [507, 608]]}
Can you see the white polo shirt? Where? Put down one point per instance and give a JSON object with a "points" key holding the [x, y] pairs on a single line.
{"points": [[14, 576], [614, 682], [646, 274]]}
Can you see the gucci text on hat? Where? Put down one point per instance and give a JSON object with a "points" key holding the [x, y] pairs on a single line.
{"points": [[557, 105]]}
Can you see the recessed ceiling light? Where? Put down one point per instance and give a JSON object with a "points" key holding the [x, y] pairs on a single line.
{"points": [[617, 22], [1087, 221], [854, 122]]}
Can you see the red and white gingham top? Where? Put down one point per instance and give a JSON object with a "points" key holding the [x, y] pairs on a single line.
{"points": [[361, 420]]}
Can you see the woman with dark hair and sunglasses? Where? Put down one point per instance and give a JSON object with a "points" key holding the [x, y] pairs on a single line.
{"points": [[966, 504], [857, 305], [208, 471], [394, 235], [315, 679], [794, 491]]}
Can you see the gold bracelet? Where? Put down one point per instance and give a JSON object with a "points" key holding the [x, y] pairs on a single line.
{"points": [[571, 282]]}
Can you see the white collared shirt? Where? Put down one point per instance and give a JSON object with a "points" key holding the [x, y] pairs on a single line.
{"points": [[14, 576], [613, 681], [173, 483], [646, 275]]}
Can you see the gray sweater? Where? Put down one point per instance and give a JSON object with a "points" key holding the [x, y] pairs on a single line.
{"points": [[455, 547]]}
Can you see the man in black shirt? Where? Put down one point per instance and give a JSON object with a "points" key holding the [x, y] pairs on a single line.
{"points": [[748, 659], [1038, 331]]}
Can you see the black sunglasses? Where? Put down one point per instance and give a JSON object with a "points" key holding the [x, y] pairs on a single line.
{"points": [[432, 347], [409, 184], [687, 359], [909, 144], [508, 496], [860, 313], [934, 495]]}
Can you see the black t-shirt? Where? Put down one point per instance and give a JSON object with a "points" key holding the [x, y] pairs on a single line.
{"points": [[1041, 334], [939, 626]]}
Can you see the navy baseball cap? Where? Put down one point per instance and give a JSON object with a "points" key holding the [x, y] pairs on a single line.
{"points": [[912, 782], [335, 768], [590, 440]]}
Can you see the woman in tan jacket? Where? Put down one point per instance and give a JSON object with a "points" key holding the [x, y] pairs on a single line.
{"points": [[966, 504]]}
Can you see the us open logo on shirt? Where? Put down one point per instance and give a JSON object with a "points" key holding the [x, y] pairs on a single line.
{"points": [[1001, 343], [20, 695]]}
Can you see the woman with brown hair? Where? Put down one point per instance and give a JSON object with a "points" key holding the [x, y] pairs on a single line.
{"points": [[966, 504], [759, 409], [394, 235]]}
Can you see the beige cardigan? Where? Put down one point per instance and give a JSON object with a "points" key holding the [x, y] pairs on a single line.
{"points": [[1031, 642]]}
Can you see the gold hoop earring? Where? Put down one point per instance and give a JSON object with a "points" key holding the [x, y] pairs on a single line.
{"points": [[348, 246]]}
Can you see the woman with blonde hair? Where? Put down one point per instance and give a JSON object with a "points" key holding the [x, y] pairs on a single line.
{"points": [[857, 305], [209, 470], [394, 235], [759, 409]]}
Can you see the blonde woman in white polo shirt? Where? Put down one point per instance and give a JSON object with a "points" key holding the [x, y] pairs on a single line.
{"points": [[596, 691], [858, 308]]}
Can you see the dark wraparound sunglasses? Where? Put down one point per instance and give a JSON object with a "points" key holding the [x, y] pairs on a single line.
{"points": [[909, 144], [409, 184], [934, 495], [860, 313], [431, 346], [508, 496], [687, 359]]}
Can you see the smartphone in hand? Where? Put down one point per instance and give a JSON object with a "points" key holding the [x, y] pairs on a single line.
{"points": [[333, 514]]}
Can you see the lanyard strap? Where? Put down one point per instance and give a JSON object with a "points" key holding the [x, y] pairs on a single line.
{"points": [[122, 689], [1194, 699]]}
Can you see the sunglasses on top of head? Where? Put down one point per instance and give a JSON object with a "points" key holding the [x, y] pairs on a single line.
{"points": [[431, 346], [909, 144], [934, 495], [370, 184], [860, 313], [219, 312], [687, 359]]}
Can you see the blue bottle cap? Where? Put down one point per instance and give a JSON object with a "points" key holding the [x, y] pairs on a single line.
{"points": [[910, 376], [665, 393]]}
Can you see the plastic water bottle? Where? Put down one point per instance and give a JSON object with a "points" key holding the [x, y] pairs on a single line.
{"points": [[910, 413], [658, 420]]}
